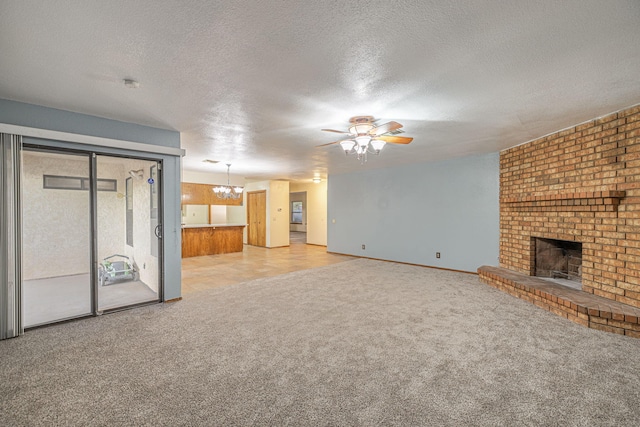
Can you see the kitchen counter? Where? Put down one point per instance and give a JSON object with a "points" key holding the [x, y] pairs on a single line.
{"points": [[211, 225], [211, 239]]}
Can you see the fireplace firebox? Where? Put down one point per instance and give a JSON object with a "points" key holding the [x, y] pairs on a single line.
{"points": [[558, 259]]}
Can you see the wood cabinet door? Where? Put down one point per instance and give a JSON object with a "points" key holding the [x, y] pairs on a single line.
{"points": [[257, 218]]}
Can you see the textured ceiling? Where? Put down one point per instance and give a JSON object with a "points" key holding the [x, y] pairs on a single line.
{"points": [[253, 82]]}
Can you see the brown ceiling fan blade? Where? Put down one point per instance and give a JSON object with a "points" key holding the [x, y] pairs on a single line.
{"points": [[387, 127], [333, 130], [395, 139], [328, 143]]}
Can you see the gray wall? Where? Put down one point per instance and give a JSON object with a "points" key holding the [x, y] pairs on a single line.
{"points": [[409, 213], [35, 116], [16, 113]]}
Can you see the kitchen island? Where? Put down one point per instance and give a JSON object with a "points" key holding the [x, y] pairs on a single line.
{"points": [[211, 239]]}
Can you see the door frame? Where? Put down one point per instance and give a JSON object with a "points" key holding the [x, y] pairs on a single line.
{"points": [[160, 257], [93, 223], [250, 195]]}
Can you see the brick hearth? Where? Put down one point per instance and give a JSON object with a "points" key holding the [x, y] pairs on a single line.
{"points": [[580, 184], [578, 306]]}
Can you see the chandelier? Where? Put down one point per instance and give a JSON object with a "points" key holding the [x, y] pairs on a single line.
{"points": [[227, 191]]}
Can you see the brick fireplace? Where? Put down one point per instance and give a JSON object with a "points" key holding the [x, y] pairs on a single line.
{"points": [[558, 259], [580, 185]]}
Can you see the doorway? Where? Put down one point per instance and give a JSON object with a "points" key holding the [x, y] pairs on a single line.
{"points": [[91, 234], [257, 218], [298, 220]]}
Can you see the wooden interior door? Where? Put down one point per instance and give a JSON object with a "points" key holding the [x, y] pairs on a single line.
{"points": [[257, 218]]}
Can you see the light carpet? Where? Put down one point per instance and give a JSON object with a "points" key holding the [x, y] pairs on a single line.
{"points": [[362, 342]]}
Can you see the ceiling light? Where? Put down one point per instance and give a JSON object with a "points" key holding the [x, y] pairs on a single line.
{"points": [[377, 145], [211, 161], [317, 180], [131, 84], [347, 145], [366, 137], [363, 140], [360, 128], [227, 191]]}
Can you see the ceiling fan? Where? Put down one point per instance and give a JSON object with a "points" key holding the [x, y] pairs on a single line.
{"points": [[364, 136]]}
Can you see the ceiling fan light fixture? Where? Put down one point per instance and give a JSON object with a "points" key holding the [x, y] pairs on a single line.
{"points": [[378, 145], [363, 140], [365, 137], [347, 145], [360, 128]]}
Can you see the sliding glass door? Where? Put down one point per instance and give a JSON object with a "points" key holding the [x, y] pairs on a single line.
{"points": [[91, 234], [56, 224], [127, 232]]}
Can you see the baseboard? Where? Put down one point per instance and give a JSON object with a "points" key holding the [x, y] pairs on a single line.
{"points": [[474, 273], [173, 300]]}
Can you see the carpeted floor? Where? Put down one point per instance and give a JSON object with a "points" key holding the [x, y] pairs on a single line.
{"points": [[361, 342]]}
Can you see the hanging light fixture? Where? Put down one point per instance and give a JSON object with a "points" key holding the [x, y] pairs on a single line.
{"points": [[362, 141], [361, 145], [365, 137], [228, 191]]}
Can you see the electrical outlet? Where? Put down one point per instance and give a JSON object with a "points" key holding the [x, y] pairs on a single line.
{"points": [[363, 247], [437, 254]]}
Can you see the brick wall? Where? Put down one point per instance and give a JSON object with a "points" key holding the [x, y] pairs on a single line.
{"points": [[580, 184]]}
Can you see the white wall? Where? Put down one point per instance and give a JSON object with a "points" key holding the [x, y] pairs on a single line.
{"points": [[316, 210], [237, 214], [409, 213], [217, 214], [195, 214], [143, 236], [278, 213], [56, 231], [214, 178], [111, 211]]}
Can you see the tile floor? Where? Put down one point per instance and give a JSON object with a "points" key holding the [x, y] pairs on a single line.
{"points": [[205, 272]]}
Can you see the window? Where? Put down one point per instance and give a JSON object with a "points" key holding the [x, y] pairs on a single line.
{"points": [[296, 212], [129, 208], [57, 182]]}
